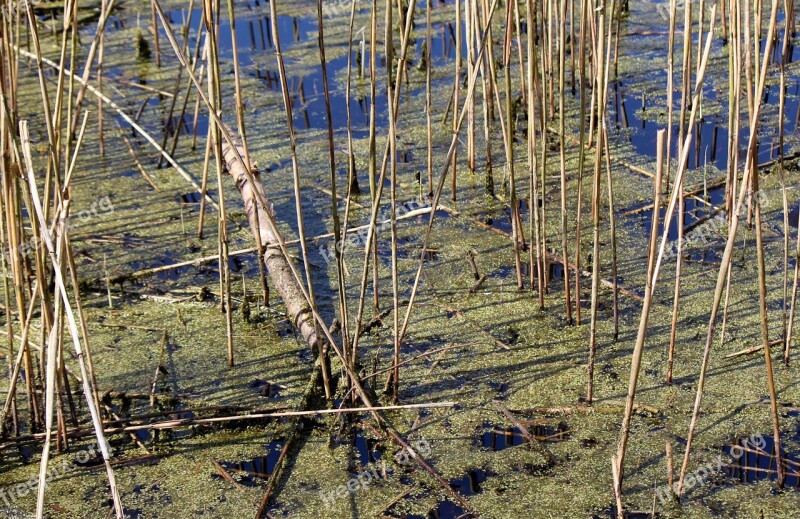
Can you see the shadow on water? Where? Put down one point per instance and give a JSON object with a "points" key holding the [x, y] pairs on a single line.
{"points": [[751, 464], [696, 213], [255, 471], [495, 438], [638, 123]]}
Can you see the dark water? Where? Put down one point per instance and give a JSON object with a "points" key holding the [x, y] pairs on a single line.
{"points": [[633, 115], [254, 471]]}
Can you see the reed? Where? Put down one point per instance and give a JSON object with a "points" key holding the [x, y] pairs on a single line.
{"points": [[47, 306]]}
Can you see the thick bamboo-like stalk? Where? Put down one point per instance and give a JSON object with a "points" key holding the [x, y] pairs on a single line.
{"points": [[254, 195]]}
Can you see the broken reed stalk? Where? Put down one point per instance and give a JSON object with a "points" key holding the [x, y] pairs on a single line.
{"points": [[86, 378], [162, 349], [725, 266], [563, 155], [287, 104], [538, 262], [439, 187], [636, 358]]}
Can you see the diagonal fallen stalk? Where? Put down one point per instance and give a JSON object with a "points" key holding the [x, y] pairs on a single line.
{"points": [[357, 386], [73, 328]]}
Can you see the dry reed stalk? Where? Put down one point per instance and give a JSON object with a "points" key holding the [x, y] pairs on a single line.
{"points": [[601, 88], [352, 187], [340, 273], [725, 264], [61, 286], [371, 240], [438, 193], [456, 93], [563, 155], [211, 22], [533, 200], [508, 140], [652, 276], [670, 88], [581, 153], [652, 279]]}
